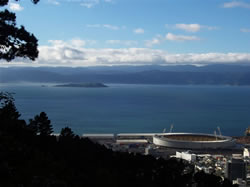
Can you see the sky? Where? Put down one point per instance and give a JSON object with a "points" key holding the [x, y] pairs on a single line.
{"points": [[136, 32]]}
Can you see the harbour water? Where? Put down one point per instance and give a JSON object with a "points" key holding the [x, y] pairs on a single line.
{"points": [[122, 108]]}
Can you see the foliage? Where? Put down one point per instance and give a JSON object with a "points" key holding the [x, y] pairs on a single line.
{"points": [[40, 125], [15, 41], [5, 2], [8, 112], [33, 126], [67, 133], [5, 98]]}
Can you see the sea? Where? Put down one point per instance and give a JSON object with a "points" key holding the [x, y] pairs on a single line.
{"points": [[137, 108]]}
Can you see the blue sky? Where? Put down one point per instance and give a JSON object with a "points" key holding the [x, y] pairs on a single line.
{"points": [[137, 32]]}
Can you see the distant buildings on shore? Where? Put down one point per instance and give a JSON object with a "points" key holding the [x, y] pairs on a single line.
{"points": [[232, 162]]}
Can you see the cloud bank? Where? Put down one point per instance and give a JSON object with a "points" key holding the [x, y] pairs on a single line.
{"points": [[74, 53]]}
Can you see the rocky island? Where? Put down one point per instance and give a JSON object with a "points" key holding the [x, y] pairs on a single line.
{"points": [[83, 85]]}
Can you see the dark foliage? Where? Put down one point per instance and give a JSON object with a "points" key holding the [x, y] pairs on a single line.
{"points": [[30, 160], [67, 133], [8, 113], [33, 126], [15, 41], [40, 125]]}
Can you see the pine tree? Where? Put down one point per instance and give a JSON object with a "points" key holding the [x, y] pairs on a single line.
{"points": [[44, 126], [8, 111], [33, 126], [67, 132]]}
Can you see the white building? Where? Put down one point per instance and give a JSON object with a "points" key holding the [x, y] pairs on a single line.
{"points": [[190, 157], [246, 153]]}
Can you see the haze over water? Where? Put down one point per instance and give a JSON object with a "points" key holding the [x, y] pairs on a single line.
{"points": [[137, 108]]}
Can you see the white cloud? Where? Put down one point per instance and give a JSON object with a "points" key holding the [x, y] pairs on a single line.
{"points": [[173, 37], [106, 26], [188, 27], [235, 4], [91, 3], [75, 43], [139, 31], [245, 30], [194, 27], [83, 3], [73, 53], [61, 51], [54, 2], [112, 27], [210, 27], [78, 43], [15, 7], [94, 26], [122, 42], [158, 39]]}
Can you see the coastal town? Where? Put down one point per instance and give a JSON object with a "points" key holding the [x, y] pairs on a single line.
{"points": [[227, 162]]}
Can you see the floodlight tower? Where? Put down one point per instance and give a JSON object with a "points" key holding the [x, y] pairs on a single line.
{"points": [[171, 128]]}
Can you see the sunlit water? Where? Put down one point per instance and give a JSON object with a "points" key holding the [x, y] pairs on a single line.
{"points": [[137, 108]]}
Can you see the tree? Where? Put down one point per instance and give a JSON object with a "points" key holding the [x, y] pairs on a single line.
{"points": [[40, 125], [9, 115], [15, 41], [8, 111], [67, 132], [33, 126], [44, 126]]}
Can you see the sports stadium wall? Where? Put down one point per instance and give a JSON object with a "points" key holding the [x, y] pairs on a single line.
{"points": [[193, 141]]}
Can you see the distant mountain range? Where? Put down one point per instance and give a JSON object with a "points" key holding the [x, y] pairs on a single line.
{"points": [[186, 74]]}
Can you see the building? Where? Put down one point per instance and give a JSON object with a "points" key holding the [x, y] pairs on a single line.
{"points": [[193, 141], [236, 168], [188, 156], [246, 153], [240, 182]]}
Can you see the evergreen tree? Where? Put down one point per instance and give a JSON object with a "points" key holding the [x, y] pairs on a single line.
{"points": [[44, 126], [8, 112], [67, 132], [33, 126], [41, 125]]}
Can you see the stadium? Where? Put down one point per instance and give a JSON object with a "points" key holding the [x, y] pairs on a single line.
{"points": [[193, 141]]}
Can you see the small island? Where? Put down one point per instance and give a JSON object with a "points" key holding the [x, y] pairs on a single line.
{"points": [[83, 85]]}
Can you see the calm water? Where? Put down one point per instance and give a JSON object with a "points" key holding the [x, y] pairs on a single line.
{"points": [[137, 108]]}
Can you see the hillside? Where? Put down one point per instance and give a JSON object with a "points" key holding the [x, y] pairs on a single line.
{"points": [[182, 75]]}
